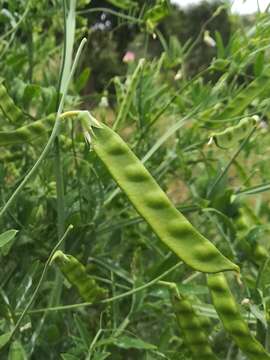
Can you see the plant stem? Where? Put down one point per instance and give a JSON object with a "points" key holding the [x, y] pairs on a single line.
{"points": [[69, 32], [114, 298], [58, 168], [18, 323], [50, 142]]}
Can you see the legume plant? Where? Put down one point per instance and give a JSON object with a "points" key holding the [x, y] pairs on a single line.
{"points": [[135, 218]]}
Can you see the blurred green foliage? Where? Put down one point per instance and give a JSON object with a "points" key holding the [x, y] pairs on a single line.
{"points": [[188, 89]]}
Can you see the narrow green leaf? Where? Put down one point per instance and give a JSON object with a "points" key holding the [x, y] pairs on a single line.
{"points": [[123, 4], [254, 190], [4, 339], [101, 356], [259, 64], [127, 342], [82, 79], [187, 289], [16, 351], [7, 236], [220, 45], [155, 14], [67, 356], [31, 92], [258, 314]]}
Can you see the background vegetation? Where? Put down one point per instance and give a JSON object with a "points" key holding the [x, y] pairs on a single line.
{"points": [[205, 70]]}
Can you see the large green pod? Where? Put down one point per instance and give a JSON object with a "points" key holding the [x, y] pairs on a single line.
{"points": [[154, 206]]}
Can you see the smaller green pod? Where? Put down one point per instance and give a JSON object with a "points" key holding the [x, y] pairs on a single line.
{"points": [[27, 133], [191, 328], [233, 134], [8, 107], [229, 313], [76, 274], [246, 222]]}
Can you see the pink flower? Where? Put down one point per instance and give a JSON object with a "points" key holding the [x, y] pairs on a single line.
{"points": [[129, 57]]}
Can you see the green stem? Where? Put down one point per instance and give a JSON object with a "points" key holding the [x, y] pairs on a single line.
{"points": [[112, 12], [59, 190], [57, 162], [70, 25], [69, 36], [93, 343], [50, 142], [17, 25], [114, 298], [45, 269]]}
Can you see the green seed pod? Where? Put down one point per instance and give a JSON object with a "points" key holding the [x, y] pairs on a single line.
{"points": [[191, 327], [27, 133], [232, 320], [125, 105], [154, 206], [8, 107], [233, 134], [76, 274], [247, 222]]}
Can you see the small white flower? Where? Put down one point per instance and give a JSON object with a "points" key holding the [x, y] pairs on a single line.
{"points": [[104, 102], [256, 118], [210, 142], [178, 75], [245, 301], [208, 39], [27, 326]]}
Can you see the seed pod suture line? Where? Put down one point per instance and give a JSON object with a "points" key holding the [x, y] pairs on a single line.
{"points": [[229, 313], [76, 274], [190, 325], [173, 229]]}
